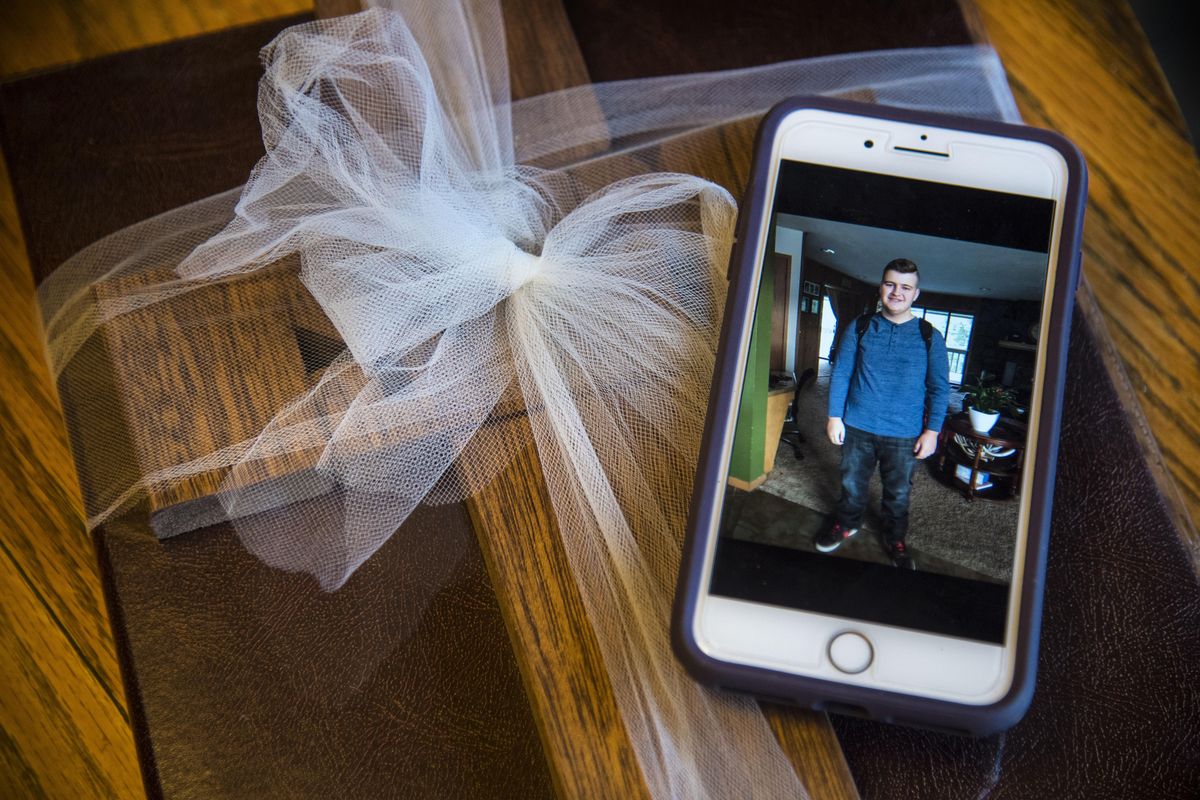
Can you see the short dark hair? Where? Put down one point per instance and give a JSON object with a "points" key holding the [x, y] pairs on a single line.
{"points": [[901, 265]]}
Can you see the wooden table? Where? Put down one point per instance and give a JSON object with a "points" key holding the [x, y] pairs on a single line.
{"points": [[1086, 72]]}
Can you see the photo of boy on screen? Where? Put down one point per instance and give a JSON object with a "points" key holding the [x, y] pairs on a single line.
{"points": [[888, 395]]}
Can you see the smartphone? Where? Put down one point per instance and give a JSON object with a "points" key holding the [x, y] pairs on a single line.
{"points": [[871, 510]]}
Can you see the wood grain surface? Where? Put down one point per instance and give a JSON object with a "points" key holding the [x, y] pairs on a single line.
{"points": [[64, 728], [1080, 67], [1085, 69], [64, 724]]}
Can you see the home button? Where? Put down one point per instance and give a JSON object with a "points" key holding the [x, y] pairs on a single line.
{"points": [[850, 652]]}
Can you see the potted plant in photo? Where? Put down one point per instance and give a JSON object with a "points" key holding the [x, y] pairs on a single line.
{"points": [[986, 401]]}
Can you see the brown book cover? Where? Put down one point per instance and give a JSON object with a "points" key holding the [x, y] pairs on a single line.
{"points": [[247, 681]]}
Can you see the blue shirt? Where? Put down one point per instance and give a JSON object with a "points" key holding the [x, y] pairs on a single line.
{"points": [[890, 385]]}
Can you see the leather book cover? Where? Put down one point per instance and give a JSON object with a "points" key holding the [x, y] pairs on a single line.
{"points": [[245, 681]]}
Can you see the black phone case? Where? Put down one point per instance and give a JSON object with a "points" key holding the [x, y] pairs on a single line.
{"points": [[827, 695]]}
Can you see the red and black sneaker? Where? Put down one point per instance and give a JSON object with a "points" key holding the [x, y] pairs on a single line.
{"points": [[900, 556], [832, 539]]}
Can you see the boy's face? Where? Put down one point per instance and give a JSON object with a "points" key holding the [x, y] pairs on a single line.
{"points": [[898, 291]]}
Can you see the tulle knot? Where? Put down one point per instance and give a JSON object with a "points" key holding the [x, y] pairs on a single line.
{"points": [[517, 267]]}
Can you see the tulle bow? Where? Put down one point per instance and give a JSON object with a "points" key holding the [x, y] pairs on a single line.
{"points": [[452, 277]]}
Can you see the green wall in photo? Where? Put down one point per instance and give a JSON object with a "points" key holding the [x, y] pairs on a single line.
{"points": [[750, 433]]}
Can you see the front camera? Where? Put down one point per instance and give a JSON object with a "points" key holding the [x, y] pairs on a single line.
{"points": [[868, 144]]}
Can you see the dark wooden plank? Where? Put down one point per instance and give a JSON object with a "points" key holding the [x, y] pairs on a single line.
{"points": [[568, 689]]}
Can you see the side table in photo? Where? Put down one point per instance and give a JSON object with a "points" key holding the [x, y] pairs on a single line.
{"points": [[986, 465]]}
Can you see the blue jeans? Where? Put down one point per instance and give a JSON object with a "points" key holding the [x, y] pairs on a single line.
{"points": [[861, 451]]}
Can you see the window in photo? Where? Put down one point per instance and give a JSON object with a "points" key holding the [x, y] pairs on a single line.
{"points": [[828, 327], [956, 328]]}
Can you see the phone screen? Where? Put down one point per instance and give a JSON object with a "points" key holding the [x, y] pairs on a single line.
{"points": [[908, 312]]}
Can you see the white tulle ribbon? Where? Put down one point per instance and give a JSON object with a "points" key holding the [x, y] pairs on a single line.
{"points": [[465, 288]]}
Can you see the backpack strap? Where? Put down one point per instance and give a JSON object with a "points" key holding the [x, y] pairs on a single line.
{"points": [[861, 324]]}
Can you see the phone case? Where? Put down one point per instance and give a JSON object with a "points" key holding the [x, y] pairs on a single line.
{"points": [[826, 695]]}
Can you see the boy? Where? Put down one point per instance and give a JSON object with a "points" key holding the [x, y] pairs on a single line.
{"points": [[887, 401]]}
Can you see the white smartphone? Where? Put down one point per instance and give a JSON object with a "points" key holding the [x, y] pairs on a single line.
{"points": [[871, 511]]}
